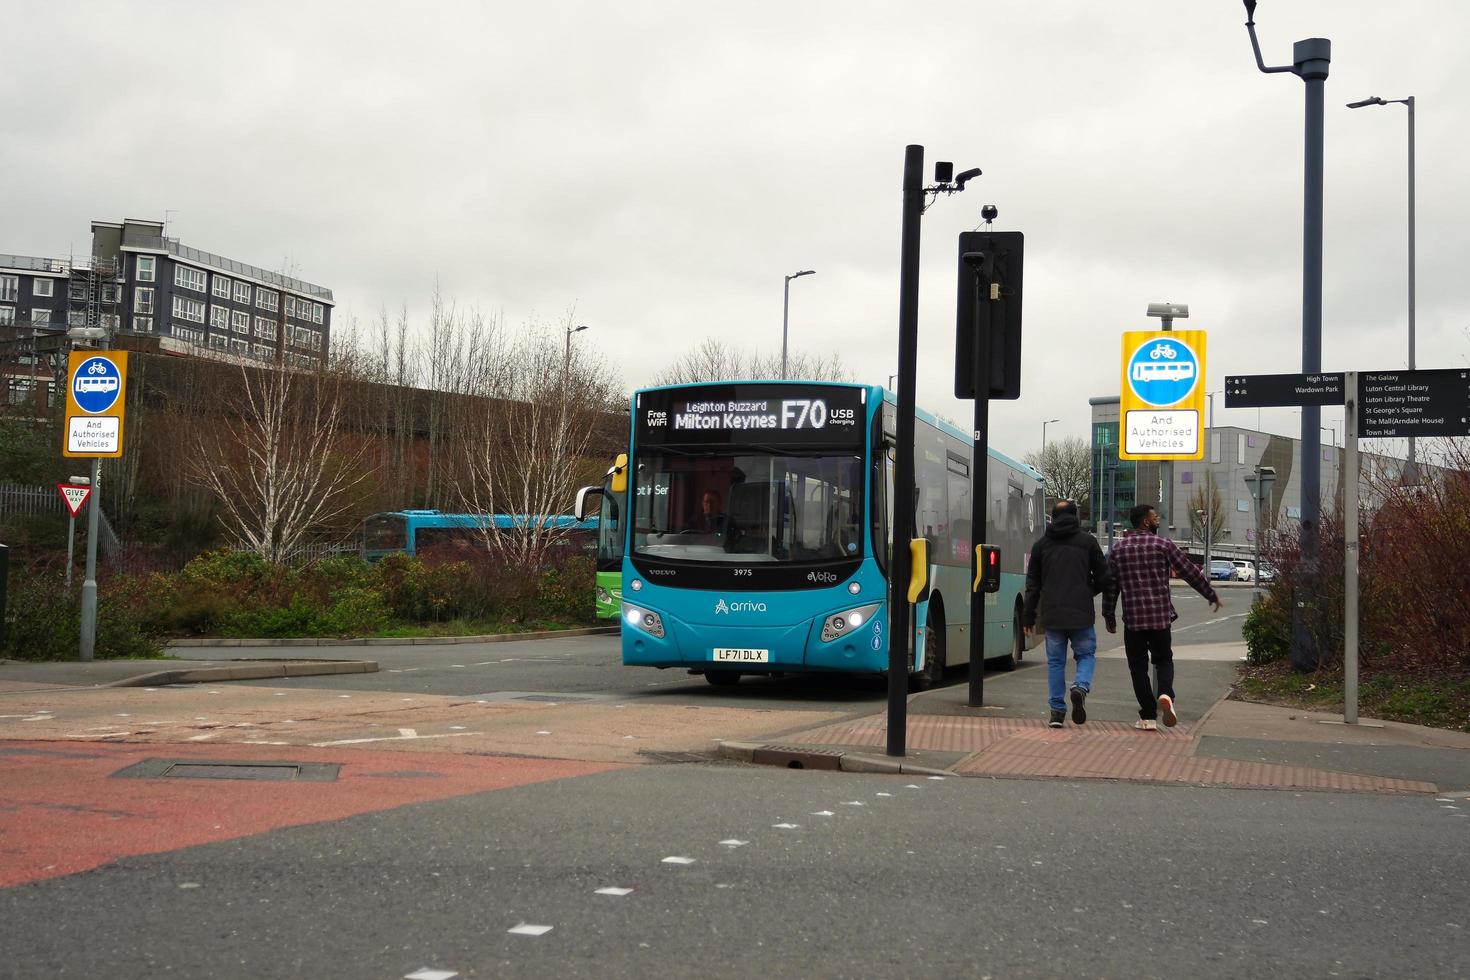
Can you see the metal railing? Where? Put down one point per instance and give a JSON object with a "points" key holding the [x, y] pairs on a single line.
{"points": [[32, 263], [27, 501], [172, 246]]}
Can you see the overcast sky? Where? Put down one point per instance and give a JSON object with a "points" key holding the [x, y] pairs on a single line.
{"points": [[657, 168]]}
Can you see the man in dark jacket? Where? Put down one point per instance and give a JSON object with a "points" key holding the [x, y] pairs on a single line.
{"points": [[1066, 570]]}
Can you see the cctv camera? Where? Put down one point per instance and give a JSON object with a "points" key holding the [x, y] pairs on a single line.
{"points": [[989, 212], [965, 178]]}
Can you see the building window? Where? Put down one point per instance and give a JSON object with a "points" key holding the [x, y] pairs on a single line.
{"points": [[7, 315], [264, 328], [188, 309], [290, 305], [262, 350], [241, 322], [40, 316], [301, 337], [267, 299], [219, 318], [316, 313], [189, 334], [242, 292], [221, 287], [189, 278], [143, 324], [110, 321], [241, 347], [42, 287], [1240, 449], [219, 341], [110, 293], [9, 289], [143, 299], [145, 267]]}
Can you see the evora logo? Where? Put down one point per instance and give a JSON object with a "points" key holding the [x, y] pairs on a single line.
{"points": [[722, 607]]}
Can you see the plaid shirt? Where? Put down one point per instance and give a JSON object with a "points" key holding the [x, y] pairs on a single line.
{"points": [[1140, 564]]}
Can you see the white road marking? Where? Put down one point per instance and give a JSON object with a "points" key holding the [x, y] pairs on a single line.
{"points": [[619, 892], [543, 733], [424, 973], [732, 842], [1210, 622], [408, 732], [852, 803], [386, 738], [677, 860], [883, 794], [937, 778], [786, 826], [201, 738], [528, 930], [913, 786], [823, 813]]}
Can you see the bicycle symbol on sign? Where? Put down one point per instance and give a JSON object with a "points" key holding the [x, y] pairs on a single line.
{"points": [[1163, 350], [97, 367]]}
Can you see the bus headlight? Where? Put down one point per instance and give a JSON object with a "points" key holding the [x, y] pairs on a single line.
{"points": [[650, 622], [847, 621]]}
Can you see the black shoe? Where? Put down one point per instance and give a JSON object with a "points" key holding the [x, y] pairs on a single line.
{"points": [[1058, 718], [1079, 711]]}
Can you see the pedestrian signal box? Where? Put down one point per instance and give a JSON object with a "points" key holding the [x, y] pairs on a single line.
{"points": [[988, 578]]}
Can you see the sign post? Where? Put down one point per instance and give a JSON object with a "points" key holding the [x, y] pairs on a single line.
{"points": [[73, 496], [1163, 395], [95, 402]]}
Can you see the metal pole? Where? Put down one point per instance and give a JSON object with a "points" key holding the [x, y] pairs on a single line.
{"points": [[1350, 557], [1260, 503], [901, 634], [785, 315], [979, 486], [1209, 487], [89, 584], [1410, 103], [71, 540]]}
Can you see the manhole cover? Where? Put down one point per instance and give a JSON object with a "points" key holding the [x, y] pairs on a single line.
{"points": [[674, 757], [216, 769]]}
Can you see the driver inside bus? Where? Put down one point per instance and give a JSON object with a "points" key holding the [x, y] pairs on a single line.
{"points": [[710, 519]]}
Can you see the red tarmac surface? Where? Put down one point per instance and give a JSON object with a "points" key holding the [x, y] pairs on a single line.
{"points": [[61, 812]]}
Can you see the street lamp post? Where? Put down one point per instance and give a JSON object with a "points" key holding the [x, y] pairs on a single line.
{"points": [[786, 312], [566, 364], [1043, 437], [1261, 482], [1311, 61], [1375, 100], [1209, 486]]}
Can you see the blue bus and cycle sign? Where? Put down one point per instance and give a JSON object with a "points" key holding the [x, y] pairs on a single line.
{"points": [[95, 400], [1163, 393]]}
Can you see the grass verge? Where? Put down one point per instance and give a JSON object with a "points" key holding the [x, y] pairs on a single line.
{"points": [[1435, 700]]}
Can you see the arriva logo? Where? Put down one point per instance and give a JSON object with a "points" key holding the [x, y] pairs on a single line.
{"points": [[721, 607]]}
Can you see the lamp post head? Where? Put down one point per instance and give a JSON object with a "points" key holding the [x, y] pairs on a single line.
{"points": [[1169, 311], [803, 272], [1375, 100], [578, 329]]}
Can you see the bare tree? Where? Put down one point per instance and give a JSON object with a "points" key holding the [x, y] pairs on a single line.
{"points": [[713, 360], [1206, 499], [1066, 464], [521, 441], [279, 460]]}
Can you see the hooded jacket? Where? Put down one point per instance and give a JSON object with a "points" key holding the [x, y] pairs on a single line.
{"points": [[1066, 570]]}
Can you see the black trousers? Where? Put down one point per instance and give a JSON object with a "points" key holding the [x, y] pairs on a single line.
{"points": [[1141, 647]]}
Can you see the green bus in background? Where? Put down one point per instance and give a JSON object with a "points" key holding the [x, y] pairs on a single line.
{"points": [[609, 535]]}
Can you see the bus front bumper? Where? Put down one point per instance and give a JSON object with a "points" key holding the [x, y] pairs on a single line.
{"points": [[755, 649]]}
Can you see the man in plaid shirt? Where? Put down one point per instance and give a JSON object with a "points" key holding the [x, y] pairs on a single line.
{"points": [[1140, 564]]}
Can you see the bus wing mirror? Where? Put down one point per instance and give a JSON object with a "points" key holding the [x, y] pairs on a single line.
{"points": [[619, 481], [585, 497], [919, 570]]}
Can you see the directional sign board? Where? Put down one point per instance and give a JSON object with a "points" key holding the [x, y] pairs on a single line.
{"points": [[95, 397], [74, 496], [1163, 395], [1418, 404], [1279, 390]]}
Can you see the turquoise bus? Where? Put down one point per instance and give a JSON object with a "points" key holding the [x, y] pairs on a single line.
{"points": [[761, 531], [411, 531]]}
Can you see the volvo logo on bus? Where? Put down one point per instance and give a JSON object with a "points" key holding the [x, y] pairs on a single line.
{"points": [[742, 606]]}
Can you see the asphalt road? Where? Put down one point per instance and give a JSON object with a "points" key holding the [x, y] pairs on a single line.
{"points": [[592, 665], [875, 876]]}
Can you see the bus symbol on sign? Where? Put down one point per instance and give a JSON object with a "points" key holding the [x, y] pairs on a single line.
{"points": [[96, 385], [1163, 371]]}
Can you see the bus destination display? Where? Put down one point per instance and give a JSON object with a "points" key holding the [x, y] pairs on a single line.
{"points": [[781, 413]]}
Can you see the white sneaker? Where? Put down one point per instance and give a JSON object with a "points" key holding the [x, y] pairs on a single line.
{"points": [[1166, 711], [1146, 725]]}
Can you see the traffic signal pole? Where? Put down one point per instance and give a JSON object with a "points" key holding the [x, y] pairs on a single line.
{"points": [[982, 265]]}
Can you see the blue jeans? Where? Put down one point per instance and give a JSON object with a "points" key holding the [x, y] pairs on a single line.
{"points": [[1084, 651]]}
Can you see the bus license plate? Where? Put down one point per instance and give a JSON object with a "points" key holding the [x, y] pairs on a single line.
{"points": [[742, 655]]}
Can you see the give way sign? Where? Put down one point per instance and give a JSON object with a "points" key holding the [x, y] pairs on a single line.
{"points": [[74, 496]]}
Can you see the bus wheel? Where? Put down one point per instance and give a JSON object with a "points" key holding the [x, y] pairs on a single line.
{"points": [[722, 678], [933, 673]]}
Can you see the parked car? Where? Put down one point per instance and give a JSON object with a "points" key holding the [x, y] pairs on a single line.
{"points": [[1245, 571], [1266, 573], [1222, 570]]}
